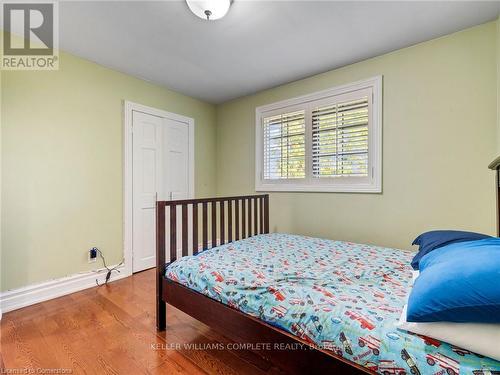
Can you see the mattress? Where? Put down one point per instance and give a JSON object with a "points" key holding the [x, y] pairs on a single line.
{"points": [[341, 296]]}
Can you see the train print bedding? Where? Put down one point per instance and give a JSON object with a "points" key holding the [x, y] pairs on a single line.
{"points": [[340, 296]]}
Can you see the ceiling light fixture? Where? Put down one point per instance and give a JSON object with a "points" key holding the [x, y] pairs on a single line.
{"points": [[209, 9]]}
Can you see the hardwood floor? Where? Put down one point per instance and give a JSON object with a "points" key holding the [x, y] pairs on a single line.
{"points": [[111, 330]]}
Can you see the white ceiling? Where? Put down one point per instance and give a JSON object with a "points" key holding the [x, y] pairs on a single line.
{"points": [[258, 45]]}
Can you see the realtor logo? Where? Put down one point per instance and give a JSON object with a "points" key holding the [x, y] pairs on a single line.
{"points": [[30, 38]]}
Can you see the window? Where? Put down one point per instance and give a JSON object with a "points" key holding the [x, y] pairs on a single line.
{"points": [[285, 146], [340, 138], [326, 141]]}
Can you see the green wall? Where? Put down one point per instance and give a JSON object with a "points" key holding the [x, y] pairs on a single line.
{"points": [[62, 165], [1, 253], [498, 84], [439, 134]]}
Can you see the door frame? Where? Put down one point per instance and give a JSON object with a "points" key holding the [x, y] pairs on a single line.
{"points": [[128, 108]]}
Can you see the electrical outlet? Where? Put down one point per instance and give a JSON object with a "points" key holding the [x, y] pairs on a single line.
{"points": [[93, 255]]}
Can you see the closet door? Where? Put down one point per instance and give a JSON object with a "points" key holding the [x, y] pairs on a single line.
{"points": [[160, 172], [147, 183]]}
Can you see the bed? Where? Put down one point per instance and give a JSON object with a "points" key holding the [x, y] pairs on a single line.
{"points": [[334, 303]]}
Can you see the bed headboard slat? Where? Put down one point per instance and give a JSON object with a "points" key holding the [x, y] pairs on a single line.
{"points": [[495, 165], [250, 217], [225, 221], [243, 218], [230, 221], [205, 225], [222, 236], [173, 233]]}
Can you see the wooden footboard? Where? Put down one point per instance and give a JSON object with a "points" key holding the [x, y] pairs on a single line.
{"points": [[223, 220]]}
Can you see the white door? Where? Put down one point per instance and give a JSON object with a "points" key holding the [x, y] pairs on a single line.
{"points": [[160, 171], [176, 141]]}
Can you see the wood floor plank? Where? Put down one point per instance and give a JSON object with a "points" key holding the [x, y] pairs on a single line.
{"points": [[111, 330], [32, 343], [13, 350], [178, 365], [60, 344]]}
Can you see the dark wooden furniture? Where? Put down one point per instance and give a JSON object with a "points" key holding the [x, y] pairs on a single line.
{"points": [[495, 165], [250, 217]]}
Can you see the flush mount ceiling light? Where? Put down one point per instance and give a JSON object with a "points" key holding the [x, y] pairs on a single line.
{"points": [[209, 9]]}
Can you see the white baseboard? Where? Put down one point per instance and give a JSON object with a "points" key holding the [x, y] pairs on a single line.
{"points": [[32, 294], [36, 293]]}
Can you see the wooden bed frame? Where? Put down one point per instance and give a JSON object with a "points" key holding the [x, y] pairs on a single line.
{"points": [[495, 165], [250, 217]]}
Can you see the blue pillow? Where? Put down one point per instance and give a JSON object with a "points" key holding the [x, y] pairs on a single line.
{"points": [[435, 239], [458, 283]]}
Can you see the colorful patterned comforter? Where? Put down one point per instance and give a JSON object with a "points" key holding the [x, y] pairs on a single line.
{"points": [[342, 296]]}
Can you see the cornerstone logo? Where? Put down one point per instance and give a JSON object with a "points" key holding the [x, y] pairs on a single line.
{"points": [[30, 37]]}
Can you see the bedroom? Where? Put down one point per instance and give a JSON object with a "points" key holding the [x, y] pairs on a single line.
{"points": [[413, 87]]}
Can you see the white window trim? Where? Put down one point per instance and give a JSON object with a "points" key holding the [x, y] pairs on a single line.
{"points": [[304, 185]]}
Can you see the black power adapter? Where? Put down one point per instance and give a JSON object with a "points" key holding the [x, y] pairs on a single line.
{"points": [[93, 253]]}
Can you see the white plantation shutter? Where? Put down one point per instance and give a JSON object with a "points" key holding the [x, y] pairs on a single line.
{"points": [[284, 146], [325, 141], [340, 139]]}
